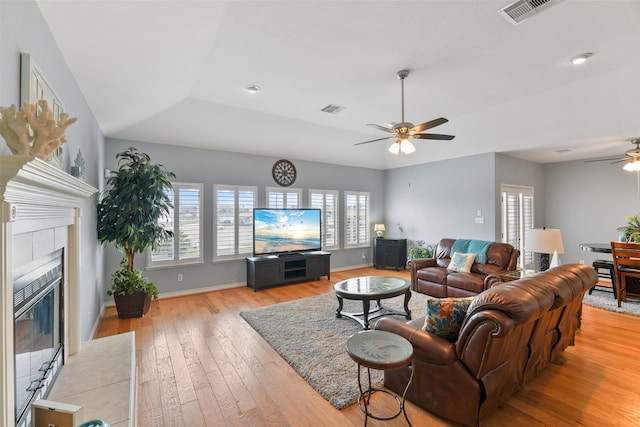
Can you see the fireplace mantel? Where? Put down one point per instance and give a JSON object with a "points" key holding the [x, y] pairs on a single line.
{"points": [[36, 196]]}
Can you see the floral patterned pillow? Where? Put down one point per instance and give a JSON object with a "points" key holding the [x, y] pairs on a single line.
{"points": [[445, 316]]}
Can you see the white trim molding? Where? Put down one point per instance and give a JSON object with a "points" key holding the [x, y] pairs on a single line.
{"points": [[36, 196]]}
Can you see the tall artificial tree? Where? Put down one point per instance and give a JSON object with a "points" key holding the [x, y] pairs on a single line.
{"points": [[130, 208]]}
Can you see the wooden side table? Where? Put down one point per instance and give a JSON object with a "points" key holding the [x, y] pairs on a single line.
{"points": [[380, 350], [518, 274]]}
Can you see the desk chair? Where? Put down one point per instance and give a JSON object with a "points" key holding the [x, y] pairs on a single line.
{"points": [[626, 263]]}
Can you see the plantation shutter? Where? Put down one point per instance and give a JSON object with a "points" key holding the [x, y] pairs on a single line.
{"points": [[234, 221], [189, 220], [356, 219], [517, 218], [278, 198], [327, 201], [185, 221]]}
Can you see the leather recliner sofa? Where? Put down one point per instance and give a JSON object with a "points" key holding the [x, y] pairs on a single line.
{"points": [[430, 276], [511, 331]]}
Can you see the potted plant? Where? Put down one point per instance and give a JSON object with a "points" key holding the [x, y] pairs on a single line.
{"points": [[131, 292], [128, 216], [631, 230], [420, 251]]}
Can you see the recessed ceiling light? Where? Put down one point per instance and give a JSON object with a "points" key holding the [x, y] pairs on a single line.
{"points": [[252, 88], [580, 59]]}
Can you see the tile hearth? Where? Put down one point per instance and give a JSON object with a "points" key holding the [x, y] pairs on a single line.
{"points": [[101, 378]]}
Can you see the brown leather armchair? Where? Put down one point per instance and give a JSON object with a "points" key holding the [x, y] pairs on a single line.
{"points": [[430, 275], [511, 332]]}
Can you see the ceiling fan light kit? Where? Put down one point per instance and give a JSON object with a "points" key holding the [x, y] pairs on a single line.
{"points": [[580, 59], [632, 166], [404, 130], [405, 146], [632, 157]]}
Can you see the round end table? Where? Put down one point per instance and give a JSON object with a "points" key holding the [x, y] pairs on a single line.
{"points": [[380, 350]]}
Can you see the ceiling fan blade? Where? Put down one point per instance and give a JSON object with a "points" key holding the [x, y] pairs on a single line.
{"points": [[428, 125], [607, 160], [374, 140], [432, 136], [382, 128]]}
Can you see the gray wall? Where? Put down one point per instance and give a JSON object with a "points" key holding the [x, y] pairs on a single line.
{"points": [[441, 199], [22, 29], [588, 201], [217, 167]]}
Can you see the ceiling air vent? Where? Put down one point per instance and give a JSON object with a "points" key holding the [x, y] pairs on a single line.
{"points": [[522, 10], [332, 109]]}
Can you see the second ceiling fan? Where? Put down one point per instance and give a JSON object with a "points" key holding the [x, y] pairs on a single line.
{"points": [[404, 130]]}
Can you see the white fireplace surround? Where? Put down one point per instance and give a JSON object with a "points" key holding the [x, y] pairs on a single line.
{"points": [[40, 211]]}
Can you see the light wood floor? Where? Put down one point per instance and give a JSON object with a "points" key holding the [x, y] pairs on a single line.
{"points": [[200, 364]]}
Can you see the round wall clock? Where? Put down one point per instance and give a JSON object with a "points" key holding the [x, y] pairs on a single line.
{"points": [[284, 172]]}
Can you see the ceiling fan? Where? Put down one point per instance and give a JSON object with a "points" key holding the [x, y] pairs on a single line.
{"points": [[404, 130], [631, 156]]}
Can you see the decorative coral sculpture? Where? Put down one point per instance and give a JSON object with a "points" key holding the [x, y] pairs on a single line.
{"points": [[31, 132]]}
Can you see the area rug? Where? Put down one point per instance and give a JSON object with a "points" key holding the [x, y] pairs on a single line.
{"points": [[606, 301], [307, 334]]}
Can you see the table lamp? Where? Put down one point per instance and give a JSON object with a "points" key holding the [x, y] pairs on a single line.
{"points": [[543, 242], [379, 229]]}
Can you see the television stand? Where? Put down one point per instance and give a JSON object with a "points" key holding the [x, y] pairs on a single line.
{"points": [[268, 271]]}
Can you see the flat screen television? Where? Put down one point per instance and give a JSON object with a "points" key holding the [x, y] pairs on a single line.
{"points": [[286, 231]]}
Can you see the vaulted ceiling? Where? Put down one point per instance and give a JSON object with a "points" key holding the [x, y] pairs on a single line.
{"points": [[174, 72]]}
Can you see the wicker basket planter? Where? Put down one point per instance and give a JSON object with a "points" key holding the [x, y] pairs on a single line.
{"points": [[134, 305]]}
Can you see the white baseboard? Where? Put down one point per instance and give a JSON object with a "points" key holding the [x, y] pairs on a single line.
{"points": [[195, 291]]}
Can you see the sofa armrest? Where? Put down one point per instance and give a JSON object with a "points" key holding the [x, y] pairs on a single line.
{"points": [[430, 347], [491, 281], [418, 263]]}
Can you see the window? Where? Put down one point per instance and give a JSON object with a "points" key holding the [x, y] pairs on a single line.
{"points": [[233, 216], [517, 218], [327, 200], [185, 221], [356, 218], [284, 198]]}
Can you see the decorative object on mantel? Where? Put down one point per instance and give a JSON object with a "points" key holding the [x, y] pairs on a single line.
{"points": [[32, 131], [128, 214], [631, 230], [77, 169]]}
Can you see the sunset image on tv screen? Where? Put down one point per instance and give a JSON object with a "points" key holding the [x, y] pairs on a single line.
{"points": [[286, 230]]}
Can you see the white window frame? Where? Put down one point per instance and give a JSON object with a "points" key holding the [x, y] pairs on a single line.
{"points": [[237, 253], [518, 216], [283, 196], [178, 227], [362, 225], [330, 223]]}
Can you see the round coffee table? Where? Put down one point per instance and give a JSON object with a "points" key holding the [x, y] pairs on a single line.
{"points": [[380, 350], [368, 288]]}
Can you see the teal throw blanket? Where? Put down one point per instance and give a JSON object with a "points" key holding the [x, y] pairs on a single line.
{"points": [[468, 245]]}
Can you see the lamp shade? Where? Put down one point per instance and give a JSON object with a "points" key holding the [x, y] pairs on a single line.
{"points": [[379, 227], [544, 241]]}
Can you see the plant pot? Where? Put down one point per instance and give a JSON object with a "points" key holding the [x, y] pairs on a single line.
{"points": [[134, 305]]}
